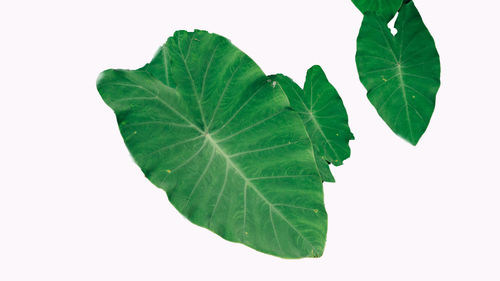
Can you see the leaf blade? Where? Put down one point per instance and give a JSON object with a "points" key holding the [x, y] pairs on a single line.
{"points": [[401, 72], [324, 116], [233, 157]]}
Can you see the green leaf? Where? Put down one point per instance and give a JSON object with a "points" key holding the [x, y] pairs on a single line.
{"points": [[386, 9], [324, 116], [224, 144], [401, 72]]}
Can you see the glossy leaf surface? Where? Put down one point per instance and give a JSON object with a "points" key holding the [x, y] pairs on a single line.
{"points": [[401, 72], [324, 116], [224, 144], [386, 9]]}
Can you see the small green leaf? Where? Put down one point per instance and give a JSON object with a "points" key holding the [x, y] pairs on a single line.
{"points": [[224, 144], [386, 9], [401, 72], [324, 116]]}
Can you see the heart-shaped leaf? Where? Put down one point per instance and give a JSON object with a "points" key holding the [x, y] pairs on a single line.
{"points": [[224, 144], [324, 116], [401, 72], [385, 9]]}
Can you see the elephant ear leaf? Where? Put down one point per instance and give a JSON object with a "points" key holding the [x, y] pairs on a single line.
{"points": [[224, 144], [401, 72], [324, 117], [385, 9]]}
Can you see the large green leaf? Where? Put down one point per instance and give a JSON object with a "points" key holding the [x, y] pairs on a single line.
{"points": [[386, 9], [224, 144], [324, 116], [401, 72]]}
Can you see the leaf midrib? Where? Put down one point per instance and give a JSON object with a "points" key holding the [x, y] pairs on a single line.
{"points": [[248, 182], [313, 118], [399, 74], [316, 124]]}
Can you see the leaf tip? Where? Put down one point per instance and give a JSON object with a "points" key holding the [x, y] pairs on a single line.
{"points": [[414, 141], [315, 69]]}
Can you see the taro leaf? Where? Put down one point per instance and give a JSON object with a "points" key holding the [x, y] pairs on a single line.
{"points": [[386, 9], [224, 144], [401, 72], [324, 116]]}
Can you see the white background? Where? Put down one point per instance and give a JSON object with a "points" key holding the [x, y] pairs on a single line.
{"points": [[74, 206]]}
